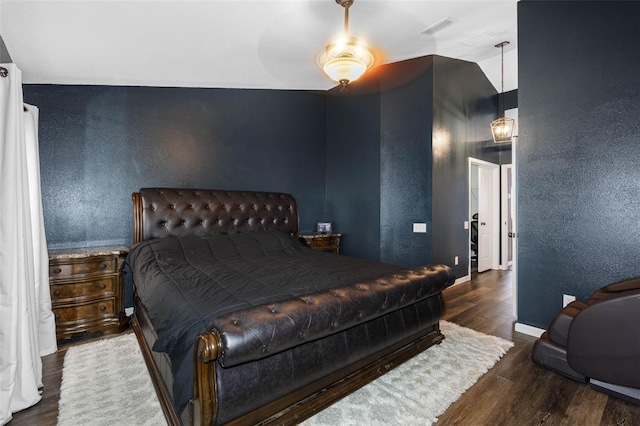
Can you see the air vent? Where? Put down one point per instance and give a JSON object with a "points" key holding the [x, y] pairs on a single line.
{"points": [[438, 26]]}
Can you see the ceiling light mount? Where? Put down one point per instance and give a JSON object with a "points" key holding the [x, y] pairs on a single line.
{"points": [[502, 127], [345, 58]]}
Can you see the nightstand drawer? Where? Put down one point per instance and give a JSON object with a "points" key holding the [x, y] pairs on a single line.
{"points": [[81, 267], [322, 242], [76, 292], [85, 312]]}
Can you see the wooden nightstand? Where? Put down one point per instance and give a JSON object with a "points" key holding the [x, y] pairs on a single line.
{"points": [[322, 242], [87, 290]]}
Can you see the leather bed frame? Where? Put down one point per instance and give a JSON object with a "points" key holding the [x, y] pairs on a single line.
{"points": [[162, 212]]}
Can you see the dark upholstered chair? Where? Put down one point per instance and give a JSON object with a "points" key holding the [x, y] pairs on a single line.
{"points": [[597, 341]]}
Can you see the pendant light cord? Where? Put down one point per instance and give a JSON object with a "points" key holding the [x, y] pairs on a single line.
{"points": [[346, 19], [502, 73], [501, 94]]}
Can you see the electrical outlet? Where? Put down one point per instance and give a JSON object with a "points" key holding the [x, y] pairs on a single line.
{"points": [[566, 299], [455, 260], [466, 224], [420, 228]]}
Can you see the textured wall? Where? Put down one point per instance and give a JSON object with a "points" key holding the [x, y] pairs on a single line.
{"points": [[464, 105], [578, 174], [379, 162], [398, 145], [510, 99], [362, 159], [406, 111], [353, 167], [98, 144]]}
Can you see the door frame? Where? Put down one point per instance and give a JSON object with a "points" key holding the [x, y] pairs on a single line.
{"points": [[505, 206], [494, 195], [514, 228]]}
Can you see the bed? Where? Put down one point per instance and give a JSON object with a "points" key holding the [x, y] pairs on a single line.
{"points": [[240, 323]]}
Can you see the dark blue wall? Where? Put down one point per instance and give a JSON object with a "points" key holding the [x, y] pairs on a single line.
{"points": [[509, 99], [406, 117], [353, 167], [379, 162], [361, 159], [98, 144], [464, 104], [578, 151]]}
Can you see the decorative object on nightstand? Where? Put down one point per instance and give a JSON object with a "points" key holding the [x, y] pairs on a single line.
{"points": [[324, 228], [87, 290], [322, 242]]}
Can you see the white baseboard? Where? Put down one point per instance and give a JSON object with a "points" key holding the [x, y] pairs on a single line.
{"points": [[529, 330], [462, 280]]}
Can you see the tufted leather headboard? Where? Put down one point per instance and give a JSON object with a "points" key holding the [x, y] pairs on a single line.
{"points": [[165, 212]]}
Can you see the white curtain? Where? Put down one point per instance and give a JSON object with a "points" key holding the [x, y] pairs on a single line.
{"points": [[27, 326]]}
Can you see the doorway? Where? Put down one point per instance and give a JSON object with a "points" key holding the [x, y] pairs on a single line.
{"points": [[484, 215]]}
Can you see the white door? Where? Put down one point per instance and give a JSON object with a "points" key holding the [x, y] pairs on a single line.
{"points": [[488, 222]]}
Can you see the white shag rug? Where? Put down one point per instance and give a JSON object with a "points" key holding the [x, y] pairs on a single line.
{"points": [[106, 383], [421, 389]]}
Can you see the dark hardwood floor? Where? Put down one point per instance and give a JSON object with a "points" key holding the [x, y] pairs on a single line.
{"points": [[514, 392]]}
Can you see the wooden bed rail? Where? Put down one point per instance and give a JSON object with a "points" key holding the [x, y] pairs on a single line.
{"points": [[204, 407], [137, 217]]}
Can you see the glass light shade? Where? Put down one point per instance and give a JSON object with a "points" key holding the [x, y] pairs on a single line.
{"points": [[502, 129], [344, 69], [345, 59]]}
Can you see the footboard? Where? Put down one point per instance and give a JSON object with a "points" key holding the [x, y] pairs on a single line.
{"points": [[331, 368], [300, 405], [297, 407]]}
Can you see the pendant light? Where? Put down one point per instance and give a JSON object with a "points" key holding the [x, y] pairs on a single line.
{"points": [[502, 127], [345, 58]]}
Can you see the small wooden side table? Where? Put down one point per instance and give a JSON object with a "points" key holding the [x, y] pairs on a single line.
{"points": [[322, 242], [87, 290]]}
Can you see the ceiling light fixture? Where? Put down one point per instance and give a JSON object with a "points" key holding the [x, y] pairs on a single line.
{"points": [[345, 58], [502, 127]]}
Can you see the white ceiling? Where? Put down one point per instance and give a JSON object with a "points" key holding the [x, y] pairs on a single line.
{"points": [[240, 44]]}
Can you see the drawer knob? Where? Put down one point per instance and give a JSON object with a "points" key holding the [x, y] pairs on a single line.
{"points": [[103, 286], [103, 308], [103, 265], [56, 293], [57, 271]]}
